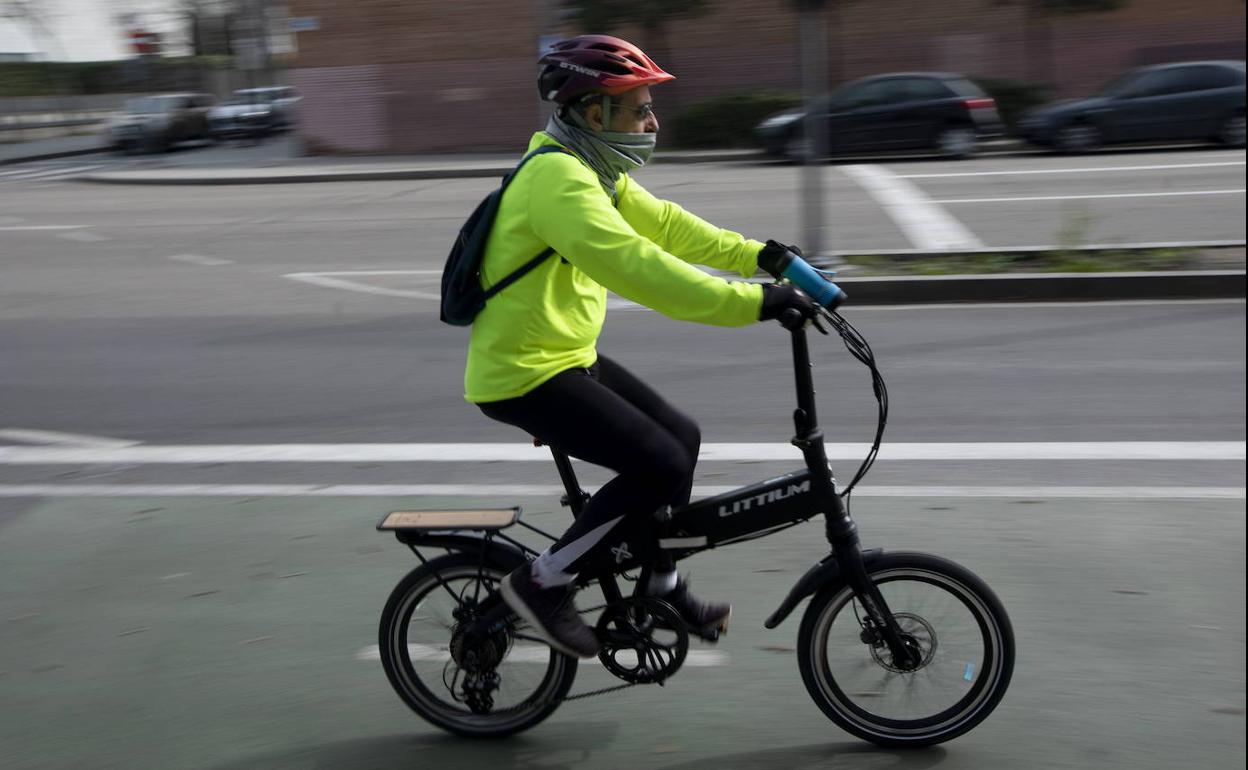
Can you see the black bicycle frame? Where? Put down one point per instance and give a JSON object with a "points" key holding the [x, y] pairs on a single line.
{"points": [[754, 511]]}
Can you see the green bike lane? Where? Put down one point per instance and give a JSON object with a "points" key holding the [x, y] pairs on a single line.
{"points": [[219, 633]]}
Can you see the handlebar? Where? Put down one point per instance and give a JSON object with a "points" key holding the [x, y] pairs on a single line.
{"points": [[805, 277]]}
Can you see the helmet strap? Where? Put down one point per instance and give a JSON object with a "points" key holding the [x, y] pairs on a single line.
{"points": [[606, 112]]}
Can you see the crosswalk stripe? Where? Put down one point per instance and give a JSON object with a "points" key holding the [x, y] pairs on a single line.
{"points": [[47, 173]]}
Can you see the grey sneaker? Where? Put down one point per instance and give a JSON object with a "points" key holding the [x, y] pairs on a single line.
{"points": [[706, 619], [551, 612]]}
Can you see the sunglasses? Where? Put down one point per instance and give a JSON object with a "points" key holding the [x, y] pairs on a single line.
{"points": [[643, 111]]}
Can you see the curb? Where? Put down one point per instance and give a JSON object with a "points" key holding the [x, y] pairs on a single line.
{"points": [[1045, 287], [242, 176]]}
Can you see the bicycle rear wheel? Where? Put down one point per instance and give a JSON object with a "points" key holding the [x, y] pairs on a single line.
{"points": [[502, 685], [950, 616]]}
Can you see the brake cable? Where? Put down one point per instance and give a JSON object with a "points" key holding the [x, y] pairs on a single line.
{"points": [[858, 347]]}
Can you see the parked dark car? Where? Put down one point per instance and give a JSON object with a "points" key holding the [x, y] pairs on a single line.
{"points": [[1168, 102], [936, 111], [156, 123]]}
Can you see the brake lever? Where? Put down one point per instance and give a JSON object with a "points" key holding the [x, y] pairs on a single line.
{"points": [[815, 320]]}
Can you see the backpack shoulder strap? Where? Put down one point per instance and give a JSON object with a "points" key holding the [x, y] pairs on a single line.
{"points": [[539, 151], [527, 267]]}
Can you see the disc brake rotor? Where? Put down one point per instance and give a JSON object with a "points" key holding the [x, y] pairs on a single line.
{"points": [[917, 634]]}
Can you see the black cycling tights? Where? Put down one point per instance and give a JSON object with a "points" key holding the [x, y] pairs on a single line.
{"points": [[606, 416]]}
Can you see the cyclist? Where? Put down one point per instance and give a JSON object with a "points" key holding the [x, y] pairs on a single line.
{"points": [[532, 360]]}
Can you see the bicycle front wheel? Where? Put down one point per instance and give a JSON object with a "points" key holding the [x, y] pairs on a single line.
{"points": [[947, 614]]}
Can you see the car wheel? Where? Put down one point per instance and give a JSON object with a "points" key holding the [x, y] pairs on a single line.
{"points": [[797, 148], [957, 141], [1232, 131], [1077, 137]]}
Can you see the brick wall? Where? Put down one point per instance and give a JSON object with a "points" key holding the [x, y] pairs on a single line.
{"points": [[411, 76], [343, 109]]}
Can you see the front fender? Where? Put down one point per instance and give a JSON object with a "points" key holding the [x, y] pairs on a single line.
{"points": [[823, 573]]}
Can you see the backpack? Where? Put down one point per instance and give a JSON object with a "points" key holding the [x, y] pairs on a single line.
{"points": [[462, 295]]}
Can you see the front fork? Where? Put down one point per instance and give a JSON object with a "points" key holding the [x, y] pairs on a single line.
{"points": [[842, 533], [879, 624]]}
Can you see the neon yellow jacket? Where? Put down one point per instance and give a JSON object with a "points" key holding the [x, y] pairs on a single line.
{"points": [[644, 250]]}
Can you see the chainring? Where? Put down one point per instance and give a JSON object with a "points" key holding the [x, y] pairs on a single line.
{"points": [[644, 640]]}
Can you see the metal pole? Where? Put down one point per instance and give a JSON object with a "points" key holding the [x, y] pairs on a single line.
{"points": [[813, 55], [543, 14]]}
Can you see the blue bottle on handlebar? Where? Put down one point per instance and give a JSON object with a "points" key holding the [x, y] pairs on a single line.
{"points": [[808, 279]]}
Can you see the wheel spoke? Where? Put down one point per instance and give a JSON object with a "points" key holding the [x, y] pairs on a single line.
{"points": [[947, 625], [440, 665]]}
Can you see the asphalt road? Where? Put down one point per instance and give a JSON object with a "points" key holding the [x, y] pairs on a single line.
{"points": [[230, 628], [1009, 201]]}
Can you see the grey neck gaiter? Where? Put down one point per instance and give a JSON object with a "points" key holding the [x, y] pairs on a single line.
{"points": [[608, 153]]}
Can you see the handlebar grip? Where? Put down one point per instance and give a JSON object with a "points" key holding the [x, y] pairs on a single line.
{"points": [[803, 276]]}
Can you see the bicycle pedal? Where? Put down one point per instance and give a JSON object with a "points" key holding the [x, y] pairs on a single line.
{"points": [[711, 636]]}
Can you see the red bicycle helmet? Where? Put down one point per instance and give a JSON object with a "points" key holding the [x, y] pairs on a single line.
{"points": [[589, 64]]}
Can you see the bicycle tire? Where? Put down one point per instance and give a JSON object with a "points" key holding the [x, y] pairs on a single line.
{"points": [[421, 696], [978, 690]]}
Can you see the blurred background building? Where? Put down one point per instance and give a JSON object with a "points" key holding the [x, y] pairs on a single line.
{"points": [[431, 76], [420, 76]]}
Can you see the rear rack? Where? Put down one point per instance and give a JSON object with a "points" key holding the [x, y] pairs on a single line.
{"points": [[480, 519]]}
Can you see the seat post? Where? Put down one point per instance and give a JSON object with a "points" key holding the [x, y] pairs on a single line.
{"points": [[575, 497]]}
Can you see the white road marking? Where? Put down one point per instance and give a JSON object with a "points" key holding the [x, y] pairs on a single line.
{"points": [[1089, 170], [59, 172], [528, 653], [552, 490], [1238, 191], [196, 259], [25, 436], [46, 227], [83, 237], [714, 452], [332, 280], [41, 171], [336, 280], [927, 225]]}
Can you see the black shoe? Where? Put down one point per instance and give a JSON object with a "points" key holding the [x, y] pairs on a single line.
{"points": [[551, 612], [706, 619]]}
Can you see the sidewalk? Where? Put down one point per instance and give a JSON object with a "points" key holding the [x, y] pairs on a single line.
{"points": [[276, 161], [293, 170]]}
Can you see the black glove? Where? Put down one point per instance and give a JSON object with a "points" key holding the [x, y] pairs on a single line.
{"points": [[772, 257], [778, 298]]}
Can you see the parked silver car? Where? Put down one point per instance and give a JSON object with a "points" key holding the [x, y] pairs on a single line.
{"points": [[280, 99], [156, 123], [253, 113], [237, 119]]}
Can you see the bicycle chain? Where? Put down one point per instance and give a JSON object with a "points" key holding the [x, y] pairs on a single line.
{"points": [[551, 701]]}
